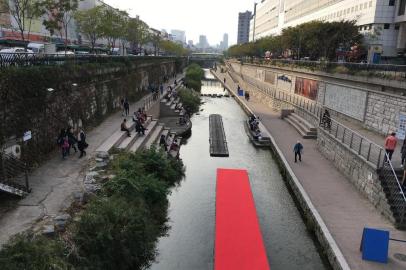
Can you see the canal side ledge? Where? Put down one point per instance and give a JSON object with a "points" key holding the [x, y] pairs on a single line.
{"points": [[312, 216]]}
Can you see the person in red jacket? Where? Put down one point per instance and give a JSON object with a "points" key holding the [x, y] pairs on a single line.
{"points": [[390, 145]]}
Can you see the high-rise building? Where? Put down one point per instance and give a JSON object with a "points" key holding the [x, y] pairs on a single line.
{"points": [[372, 16], [203, 43], [225, 42], [178, 35], [243, 27]]}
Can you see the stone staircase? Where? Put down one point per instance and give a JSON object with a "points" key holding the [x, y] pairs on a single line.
{"points": [[305, 129], [393, 194]]}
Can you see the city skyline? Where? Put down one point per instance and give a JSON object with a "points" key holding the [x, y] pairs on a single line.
{"points": [[196, 22]]}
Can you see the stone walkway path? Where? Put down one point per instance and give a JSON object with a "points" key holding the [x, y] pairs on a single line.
{"points": [[342, 208], [54, 183]]}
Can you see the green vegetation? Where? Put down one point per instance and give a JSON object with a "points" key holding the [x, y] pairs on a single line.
{"points": [[194, 76], [118, 229], [27, 251], [316, 40], [190, 100]]}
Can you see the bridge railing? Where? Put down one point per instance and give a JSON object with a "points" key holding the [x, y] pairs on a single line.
{"points": [[29, 59]]}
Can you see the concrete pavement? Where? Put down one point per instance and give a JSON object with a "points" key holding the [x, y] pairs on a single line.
{"points": [[54, 182], [343, 209]]}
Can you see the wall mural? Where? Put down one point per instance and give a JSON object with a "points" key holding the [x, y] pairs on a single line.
{"points": [[306, 88]]}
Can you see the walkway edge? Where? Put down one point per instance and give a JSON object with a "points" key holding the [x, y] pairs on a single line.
{"points": [[324, 237]]}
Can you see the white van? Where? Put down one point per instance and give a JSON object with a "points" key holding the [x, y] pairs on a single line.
{"points": [[36, 47]]}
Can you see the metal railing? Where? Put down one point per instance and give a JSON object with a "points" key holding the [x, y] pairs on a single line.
{"points": [[30, 59], [14, 172], [395, 193], [384, 71], [362, 146]]}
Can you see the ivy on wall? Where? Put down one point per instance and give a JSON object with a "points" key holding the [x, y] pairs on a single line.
{"points": [[82, 93]]}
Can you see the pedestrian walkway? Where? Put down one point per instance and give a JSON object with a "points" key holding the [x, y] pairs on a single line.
{"points": [[54, 182], [343, 209]]}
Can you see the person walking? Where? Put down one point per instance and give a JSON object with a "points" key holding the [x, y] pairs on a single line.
{"points": [[161, 88], [126, 107], [65, 146], [390, 146], [298, 150], [403, 153], [72, 140], [82, 144]]}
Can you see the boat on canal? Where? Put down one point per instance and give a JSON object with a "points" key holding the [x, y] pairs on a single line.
{"points": [[262, 141]]}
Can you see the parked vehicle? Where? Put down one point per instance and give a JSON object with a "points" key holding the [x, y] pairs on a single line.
{"points": [[15, 50], [36, 47]]}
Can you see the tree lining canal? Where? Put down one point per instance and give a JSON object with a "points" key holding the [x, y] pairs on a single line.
{"points": [[190, 241]]}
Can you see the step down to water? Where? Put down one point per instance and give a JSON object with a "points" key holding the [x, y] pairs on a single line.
{"points": [[305, 129], [218, 142]]}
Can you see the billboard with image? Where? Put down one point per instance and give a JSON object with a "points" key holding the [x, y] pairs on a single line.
{"points": [[306, 88]]}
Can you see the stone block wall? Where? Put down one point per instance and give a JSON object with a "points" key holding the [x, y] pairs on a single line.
{"points": [[383, 111], [378, 112], [360, 173]]}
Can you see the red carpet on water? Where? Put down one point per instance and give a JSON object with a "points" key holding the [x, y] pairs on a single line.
{"points": [[238, 244]]}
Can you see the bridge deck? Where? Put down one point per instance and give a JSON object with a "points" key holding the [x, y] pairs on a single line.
{"points": [[218, 142], [238, 244]]}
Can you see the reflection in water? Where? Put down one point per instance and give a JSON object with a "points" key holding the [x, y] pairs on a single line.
{"points": [[190, 241]]}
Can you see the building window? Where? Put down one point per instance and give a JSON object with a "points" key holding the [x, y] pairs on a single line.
{"points": [[360, 7], [365, 5], [352, 9], [386, 26], [396, 26], [356, 8], [391, 2], [402, 6], [370, 27], [370, 3]]}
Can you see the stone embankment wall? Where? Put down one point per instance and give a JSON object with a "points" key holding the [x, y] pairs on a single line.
{"points": [[83, 95], [358, 171], [370, 103]]}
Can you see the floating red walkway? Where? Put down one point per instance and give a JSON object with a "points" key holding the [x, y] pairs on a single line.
{"points": [[239, 244]]}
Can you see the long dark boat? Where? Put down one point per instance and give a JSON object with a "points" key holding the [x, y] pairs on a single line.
{"points": [[258, 142]]}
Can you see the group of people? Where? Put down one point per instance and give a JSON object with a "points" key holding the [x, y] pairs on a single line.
{"points": [[139, 118], [167, 144], [67, 141], [254, 127]]}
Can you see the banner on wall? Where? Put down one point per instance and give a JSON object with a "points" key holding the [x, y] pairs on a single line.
{"points": [[306, 88], [401, 132], [270, 77]]}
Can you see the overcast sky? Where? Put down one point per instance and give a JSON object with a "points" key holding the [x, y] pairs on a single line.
{"points": [[212, 18]]}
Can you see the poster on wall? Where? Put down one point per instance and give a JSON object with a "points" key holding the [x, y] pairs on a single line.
{"points": [[270, 77], [401, 132], [260, 75], [306, 88], [346, 100], [284, 82]]}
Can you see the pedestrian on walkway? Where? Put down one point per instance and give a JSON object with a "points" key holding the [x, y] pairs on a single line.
{"points": [[247, 96], [126, 107], [224, 80], [161, 87], [65, 146], [72, 140], [122, 106], [390, 145], [125, 128], [298, 150], [403, 152], [82, 144]]}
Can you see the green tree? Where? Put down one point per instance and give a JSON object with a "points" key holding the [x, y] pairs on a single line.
{"points": [[23, 12], [90, 23], [59, 14], [114, 25], [137, 34], [173, 48]]}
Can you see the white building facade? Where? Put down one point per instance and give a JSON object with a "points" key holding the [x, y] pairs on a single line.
{"points": [[383, 21]]}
